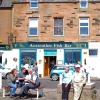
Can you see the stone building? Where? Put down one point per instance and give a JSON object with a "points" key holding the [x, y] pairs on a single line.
{"points": [[66, 31]]}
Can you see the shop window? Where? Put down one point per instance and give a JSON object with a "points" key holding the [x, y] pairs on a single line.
{"points": [[93, 52], [33, 27], [83, 3], [84, 26], [33, 3], [72, 56], [58, 26], [28, 56]]}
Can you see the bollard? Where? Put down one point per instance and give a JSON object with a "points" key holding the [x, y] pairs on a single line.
{"points": [[60, 79], [0, 80], [89, 78]]}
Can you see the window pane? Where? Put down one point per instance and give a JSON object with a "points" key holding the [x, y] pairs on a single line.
{"points": [[83, 24], [72, 56], [84, 30], [58, 26], [28, 56], [83, 3], [93, 52], [33, 26], [58, 22], [58, 30], [76, 56], [33, 31], [84, 19], [69, 57], [34, 4], [33, 22]]}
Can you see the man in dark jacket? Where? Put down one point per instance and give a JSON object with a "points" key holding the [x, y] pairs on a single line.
{"points": [[21, 77]]}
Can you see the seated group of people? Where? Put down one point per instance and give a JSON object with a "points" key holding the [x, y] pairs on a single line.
{"points": [[23, 80]]}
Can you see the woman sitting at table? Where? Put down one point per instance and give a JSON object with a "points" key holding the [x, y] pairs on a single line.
{"points": [[11, 81]]}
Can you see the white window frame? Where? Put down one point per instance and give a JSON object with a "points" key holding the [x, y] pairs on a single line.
{"points": [[86, 4], [54, 26], [33, 23], [33, 1], [84, 21]]}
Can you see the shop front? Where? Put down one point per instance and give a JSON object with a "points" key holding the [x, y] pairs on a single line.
{"points": [[46, 52]]}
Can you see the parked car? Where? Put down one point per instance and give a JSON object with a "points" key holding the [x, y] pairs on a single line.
{"points": [[4, 71], [59, 69]]}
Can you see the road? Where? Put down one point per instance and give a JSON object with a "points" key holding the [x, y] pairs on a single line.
{"points": [[53, 84]]}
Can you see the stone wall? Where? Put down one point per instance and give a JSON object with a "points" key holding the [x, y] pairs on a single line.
{"points": [[88, 93], [5, 24], [47, 11]]}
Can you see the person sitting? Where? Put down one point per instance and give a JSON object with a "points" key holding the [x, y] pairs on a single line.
{"points": [[11, 81], [33, 83], [21, 77]]}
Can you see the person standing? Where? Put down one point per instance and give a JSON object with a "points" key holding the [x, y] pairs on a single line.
{"points": [[52, 63], [14, 63], [11, 81], [66, 83], [79, 80], [35, 67]]}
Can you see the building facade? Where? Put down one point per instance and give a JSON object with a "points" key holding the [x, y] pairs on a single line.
{"points": [[66, 31]]}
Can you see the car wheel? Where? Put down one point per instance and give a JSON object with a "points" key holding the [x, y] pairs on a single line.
{"points": [[55, 77]]}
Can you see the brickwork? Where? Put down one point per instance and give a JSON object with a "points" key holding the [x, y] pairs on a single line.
{"points": [[5, 24]]}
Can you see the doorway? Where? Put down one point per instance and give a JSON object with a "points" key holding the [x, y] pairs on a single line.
{"points": [[47, 60]]}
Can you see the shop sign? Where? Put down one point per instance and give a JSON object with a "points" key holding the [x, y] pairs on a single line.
{"points": [[50, 52], [4, 47], [51, 45]]}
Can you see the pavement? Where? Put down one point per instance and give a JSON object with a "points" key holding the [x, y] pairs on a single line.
{"points": [[49, 93]]}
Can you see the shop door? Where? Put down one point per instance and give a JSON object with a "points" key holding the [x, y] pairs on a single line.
{"points": [[47, 61], [46, 66]]}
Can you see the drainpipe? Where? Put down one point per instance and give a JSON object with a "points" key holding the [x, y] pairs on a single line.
{"points": [[12, 19]]}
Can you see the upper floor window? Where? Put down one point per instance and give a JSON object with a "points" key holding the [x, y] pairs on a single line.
{"points": [[33, 26], [33, 3], [83, 3], [84, 26], [58, 26]]}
